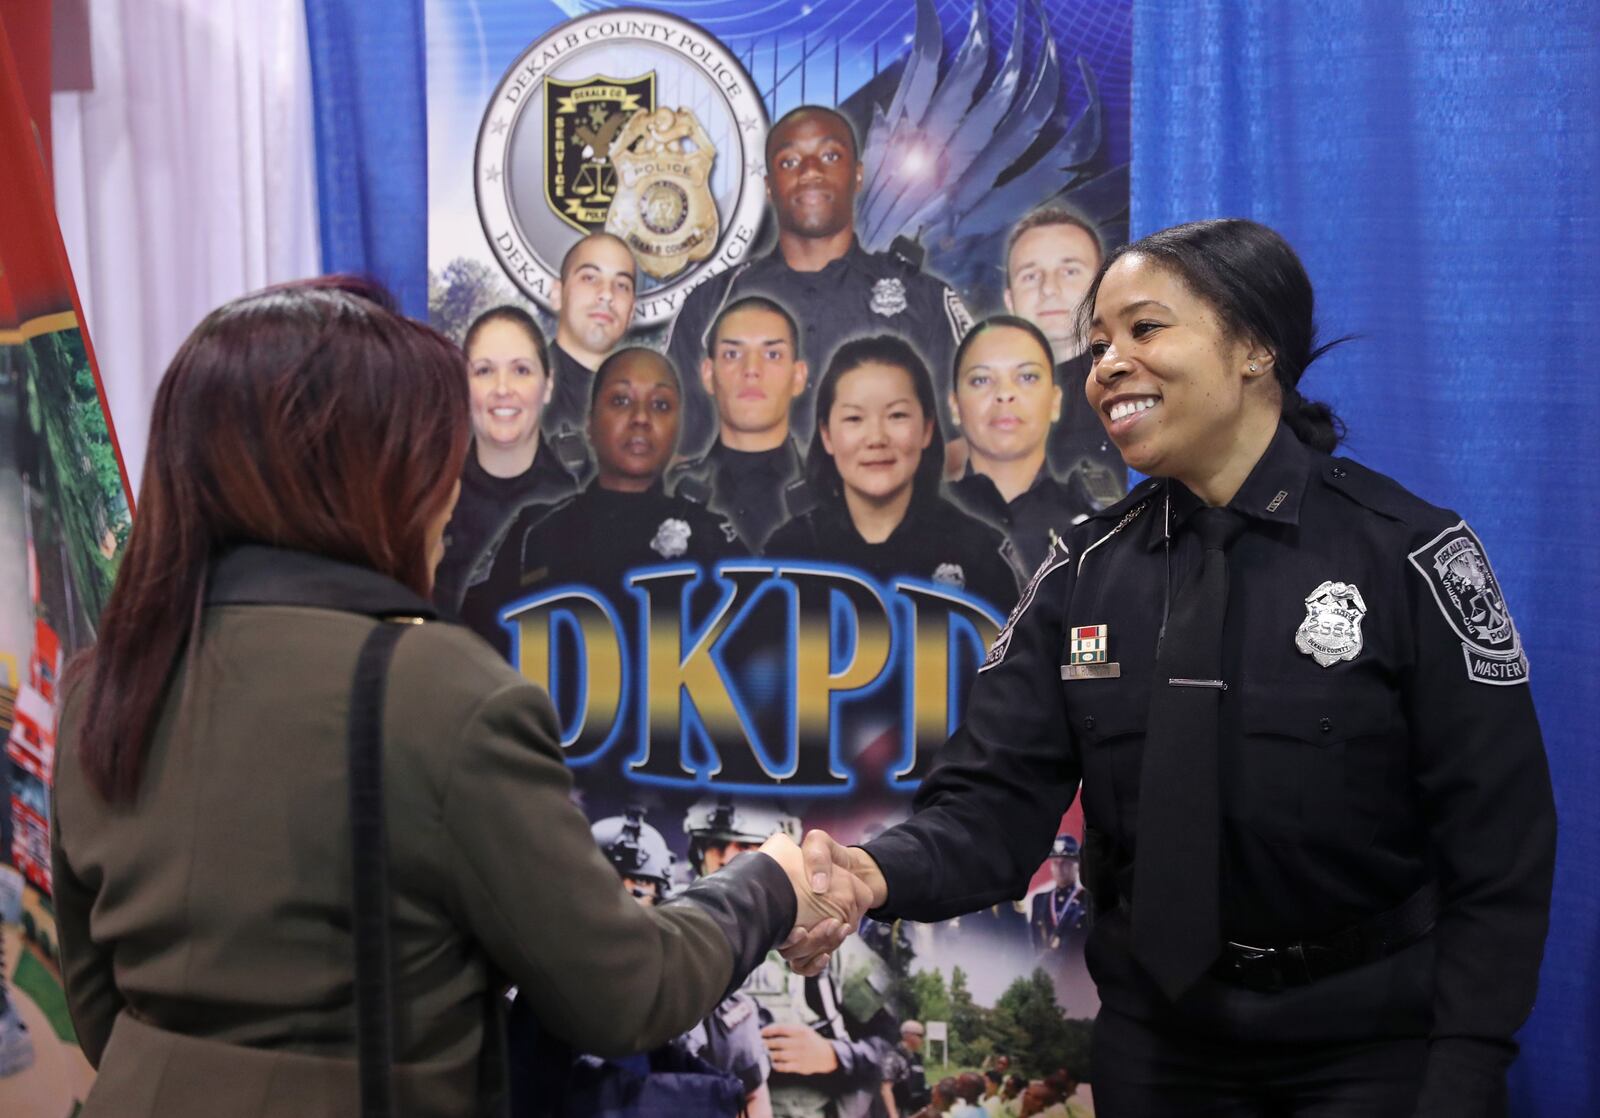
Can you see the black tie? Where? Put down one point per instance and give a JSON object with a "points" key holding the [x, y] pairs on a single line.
{"points": [[1176, 926]]}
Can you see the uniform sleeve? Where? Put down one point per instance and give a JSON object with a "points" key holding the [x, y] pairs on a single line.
{"points": [[599, 971], [987, 813], [1484, 783], [93, 1000], [946, 321]]}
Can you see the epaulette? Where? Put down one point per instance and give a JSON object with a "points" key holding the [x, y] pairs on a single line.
{"points": [[1383, 495], [798, 497], [691, 486], [571, 450], [908, 251]]}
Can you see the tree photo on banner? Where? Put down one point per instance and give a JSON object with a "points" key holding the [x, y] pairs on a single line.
{"points": [[735, 497], [64, 517]]}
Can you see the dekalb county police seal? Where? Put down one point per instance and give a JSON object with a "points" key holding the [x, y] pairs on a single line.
{"points": [[630, 121]]}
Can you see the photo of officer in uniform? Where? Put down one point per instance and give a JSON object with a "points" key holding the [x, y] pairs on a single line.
{"points": [[753, 372], [510, 466], [873, 472], [1052, 255], [1005, 402], [594, 307], [819, 272], [831, 1037], [1060, 915], [623, 519]]}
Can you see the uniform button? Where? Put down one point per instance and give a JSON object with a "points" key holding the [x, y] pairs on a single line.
{"points": [[1088, 723], [1327, 725]]}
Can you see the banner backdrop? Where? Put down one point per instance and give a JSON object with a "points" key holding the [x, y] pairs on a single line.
{"points": [[63, 520], [738, 572]]}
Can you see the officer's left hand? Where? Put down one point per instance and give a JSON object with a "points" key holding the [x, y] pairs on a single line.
{"points": [[799, 1050]]}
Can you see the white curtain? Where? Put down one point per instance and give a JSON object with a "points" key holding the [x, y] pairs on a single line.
{"points": [[185, 178]]}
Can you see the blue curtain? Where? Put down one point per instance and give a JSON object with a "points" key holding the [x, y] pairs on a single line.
{"points": [[1436, 165], [369, 92]]}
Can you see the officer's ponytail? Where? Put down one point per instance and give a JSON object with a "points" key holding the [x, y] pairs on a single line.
{"points": [[1254, 280]]}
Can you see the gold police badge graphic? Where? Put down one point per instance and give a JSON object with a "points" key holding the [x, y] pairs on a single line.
{"points": [[1332, 629], [628, 120], [663, 206], [582, 119]]}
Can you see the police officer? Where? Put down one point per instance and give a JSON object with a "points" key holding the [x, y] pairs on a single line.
{"points": [[1320, 830], [638, 853], [829, 1037], [752, 371], [1061, 913], [593, 301], [873, 471], [1051, 256], [623, 519], [911, 1085], [1006, 404], [510, 466], [834, 288]]}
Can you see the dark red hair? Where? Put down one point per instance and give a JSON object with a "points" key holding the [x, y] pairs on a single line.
{"points": [[309, 416]]}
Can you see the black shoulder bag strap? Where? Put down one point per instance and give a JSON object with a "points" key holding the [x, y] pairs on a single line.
{"points": [[370, 866]]}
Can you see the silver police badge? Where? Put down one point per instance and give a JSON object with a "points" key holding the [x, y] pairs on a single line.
{"points": [[949, 574], [888, 296], [1332, 629], [672, 538]]}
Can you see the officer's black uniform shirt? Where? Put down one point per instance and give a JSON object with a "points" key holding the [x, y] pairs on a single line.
{"points": [[1079, 434], [1033, 520], [486, 505], [594, 539], [861, 293], [569, 397], [745, 486], [936, 542], [1344, 787]]}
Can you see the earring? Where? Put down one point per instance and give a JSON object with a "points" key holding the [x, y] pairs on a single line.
{"points": [[1252, 366]]}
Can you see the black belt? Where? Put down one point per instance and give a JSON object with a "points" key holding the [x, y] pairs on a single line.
{"points": [[1270, 969]]}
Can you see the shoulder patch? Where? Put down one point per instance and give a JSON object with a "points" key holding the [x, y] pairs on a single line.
{"points": [[1058, 556], [956, 311], [1457, 571]]}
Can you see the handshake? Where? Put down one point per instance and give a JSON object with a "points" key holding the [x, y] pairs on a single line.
{"points": [[834, 886]]}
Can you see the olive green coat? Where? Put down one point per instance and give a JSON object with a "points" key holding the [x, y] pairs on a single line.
{"points": [[205, 927]]}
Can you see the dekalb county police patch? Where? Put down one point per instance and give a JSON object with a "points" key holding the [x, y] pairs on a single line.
{"points": [[1457, 570], [633, 122]]}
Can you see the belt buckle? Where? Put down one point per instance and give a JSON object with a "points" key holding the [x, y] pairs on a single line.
{"points": [[1248, 961]]}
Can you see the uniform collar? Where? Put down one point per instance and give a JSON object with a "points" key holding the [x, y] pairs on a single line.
{"points": [[783, 459], [1271, 494], [259, 575], [969, 480], [854, 257]]}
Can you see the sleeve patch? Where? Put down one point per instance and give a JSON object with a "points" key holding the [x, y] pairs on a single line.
{"points": [[1457, 571], [960, 318], [1059, 556]]}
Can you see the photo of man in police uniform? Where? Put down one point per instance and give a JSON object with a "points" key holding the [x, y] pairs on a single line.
{"points": [[831, 1037], [819, 272], [1052, 254], [1060, 914], [753, 372], [593, 302]]}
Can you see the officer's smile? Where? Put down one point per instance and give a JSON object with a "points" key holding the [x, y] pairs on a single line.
{"points": [[1126, 411]]}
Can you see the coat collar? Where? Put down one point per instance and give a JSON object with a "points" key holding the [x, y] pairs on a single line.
{"points": [[1272, 493], [259, 575]]}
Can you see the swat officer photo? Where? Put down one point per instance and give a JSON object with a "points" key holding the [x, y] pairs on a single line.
{"points": [[593, 302], [1006, 403], [829, 1037], [623, 519], [1051, 257], [1320, 855], [753, 372], [873, 470], [1059, 918], [834, 288]]}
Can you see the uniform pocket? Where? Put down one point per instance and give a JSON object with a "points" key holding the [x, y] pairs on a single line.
{"points": [[1108, 719]]}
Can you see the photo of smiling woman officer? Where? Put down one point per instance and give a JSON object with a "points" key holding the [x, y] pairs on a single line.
{"points": [[873, 470], [623, 519], [1005, 401], [508, 467]]}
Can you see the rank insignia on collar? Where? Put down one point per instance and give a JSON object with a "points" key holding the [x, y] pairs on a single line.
{"points": [[1332, 629], [888, 296], [1086, 654]]}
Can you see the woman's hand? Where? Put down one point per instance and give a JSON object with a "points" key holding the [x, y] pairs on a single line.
{"points": [[826, 911], [823, 853]]}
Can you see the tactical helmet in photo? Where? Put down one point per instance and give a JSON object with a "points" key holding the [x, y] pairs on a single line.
{"points": [[634, 848], [720, 819]]}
